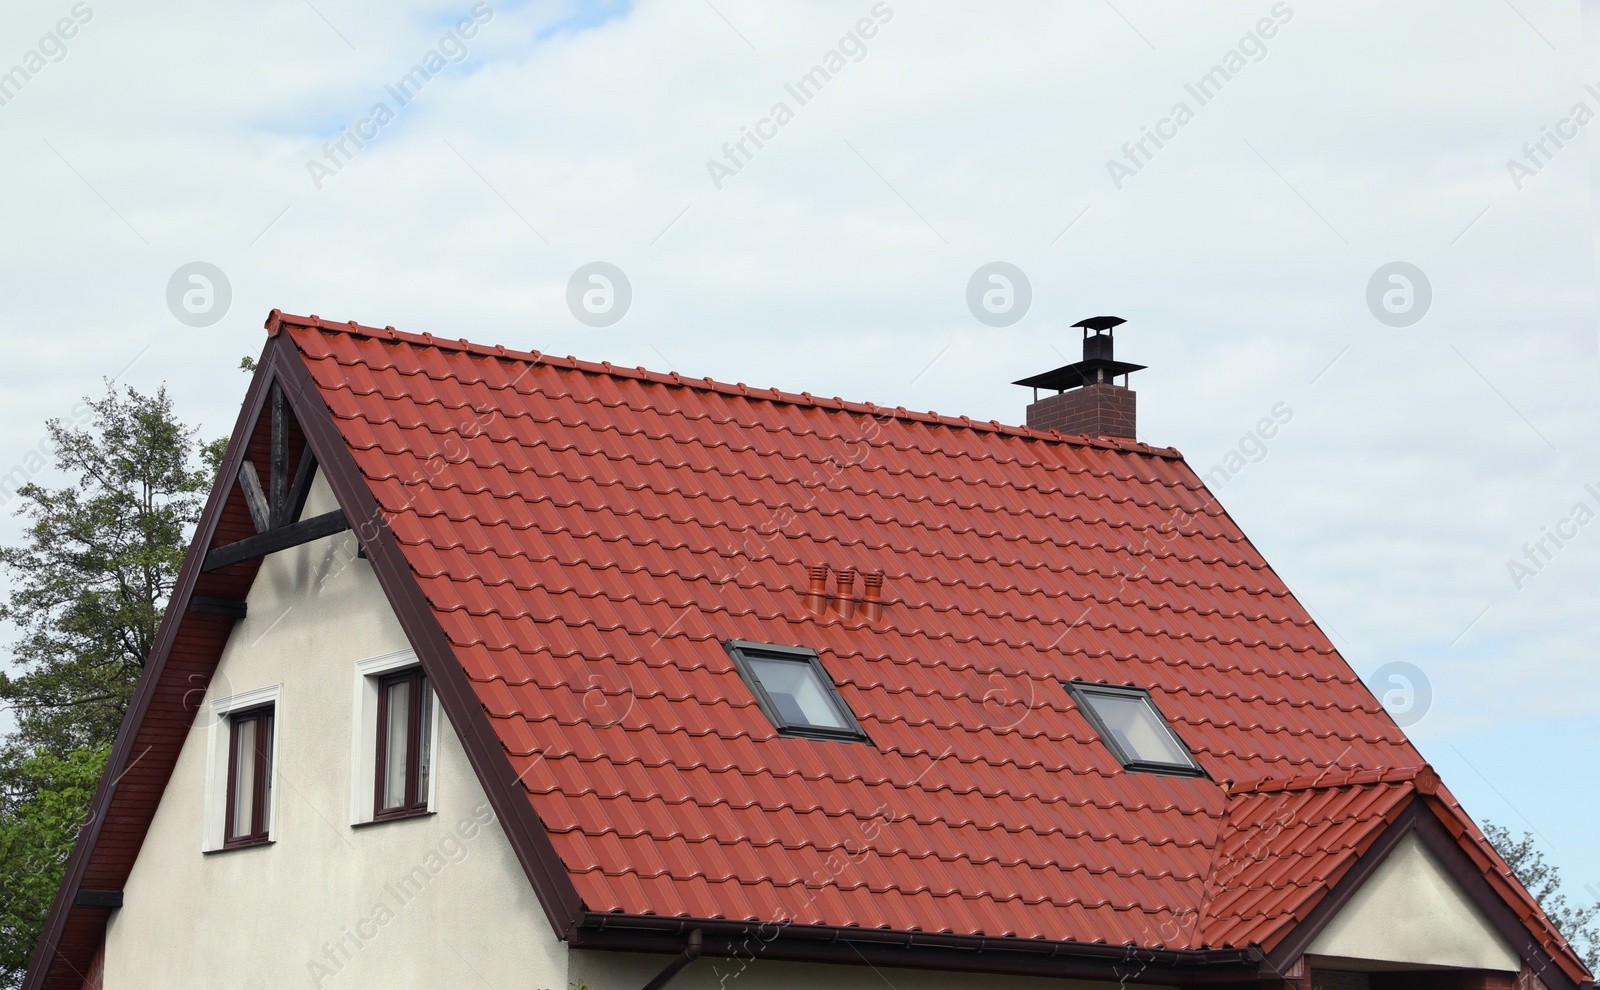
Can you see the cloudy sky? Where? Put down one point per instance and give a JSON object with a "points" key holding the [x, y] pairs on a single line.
{"points": [[1438, 423]]}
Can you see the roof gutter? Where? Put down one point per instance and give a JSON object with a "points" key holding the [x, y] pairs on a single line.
{"points": [[691, 952], [912, 950]]}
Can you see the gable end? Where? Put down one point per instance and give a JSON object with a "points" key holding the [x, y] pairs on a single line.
{"points": [[189, 645], [1422, 822]]}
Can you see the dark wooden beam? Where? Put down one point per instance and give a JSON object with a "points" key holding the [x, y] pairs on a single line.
{"points": [[217, 606], [274, 540], [279, 494], [302, 485], [97, 898], [254, 497]]}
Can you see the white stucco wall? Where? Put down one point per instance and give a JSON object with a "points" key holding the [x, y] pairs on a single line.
{"points": [[259, 917], [1410, 911]]}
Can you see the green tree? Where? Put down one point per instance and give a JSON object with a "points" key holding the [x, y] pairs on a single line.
{"points": [[36, 836], [90, 580], [96, 565], [1579, 923]]}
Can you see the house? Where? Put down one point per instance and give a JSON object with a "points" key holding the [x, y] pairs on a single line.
{"points": [[494, 669]]}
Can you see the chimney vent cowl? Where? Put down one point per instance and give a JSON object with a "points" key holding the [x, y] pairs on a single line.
{"points": [[1087, 398]]}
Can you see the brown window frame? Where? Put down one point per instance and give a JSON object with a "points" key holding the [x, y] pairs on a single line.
{"points": [[415, 801], [260, 815]]}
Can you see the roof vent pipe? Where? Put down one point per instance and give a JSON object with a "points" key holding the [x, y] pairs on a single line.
{"points": [[817, 593], [872, 596], [844, 605]]}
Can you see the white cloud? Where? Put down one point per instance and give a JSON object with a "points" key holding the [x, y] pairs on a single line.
{"points": [[837, 259]]}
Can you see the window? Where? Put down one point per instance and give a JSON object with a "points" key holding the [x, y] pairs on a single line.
{"points": [[794, 691], [1133, 730], [249, 807], [394, 739], [404, 758], [241, 763]]}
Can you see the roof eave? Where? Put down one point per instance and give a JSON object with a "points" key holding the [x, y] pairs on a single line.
{"points": [[1007, 956]]}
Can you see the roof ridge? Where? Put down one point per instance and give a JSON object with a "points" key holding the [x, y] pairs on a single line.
{"points": [[277, 320], [1422, 777]]}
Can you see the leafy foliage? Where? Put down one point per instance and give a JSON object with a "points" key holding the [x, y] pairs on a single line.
{"points": [[90, 581], [98, 561], [1579, 923], [38, 824]]}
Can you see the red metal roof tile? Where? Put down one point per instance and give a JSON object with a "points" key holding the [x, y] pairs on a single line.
{"points": [[588, 535]]}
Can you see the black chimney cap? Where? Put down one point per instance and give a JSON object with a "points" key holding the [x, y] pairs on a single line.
{"points": [[1097, 365]]}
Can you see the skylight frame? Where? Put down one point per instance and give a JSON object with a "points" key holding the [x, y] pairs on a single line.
{"points": [[1082, 694], [742, 651]]}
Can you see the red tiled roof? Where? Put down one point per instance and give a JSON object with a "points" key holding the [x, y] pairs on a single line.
{"points": [[588, 536]]}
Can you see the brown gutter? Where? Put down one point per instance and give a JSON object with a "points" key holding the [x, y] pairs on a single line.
{"points": [[918, 950]]}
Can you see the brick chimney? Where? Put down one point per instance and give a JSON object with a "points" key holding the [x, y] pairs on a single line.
{"points": [[1088, 400]]}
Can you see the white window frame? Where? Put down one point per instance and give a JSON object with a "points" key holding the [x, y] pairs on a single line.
{"points": [[218, 736], [364, 733]]}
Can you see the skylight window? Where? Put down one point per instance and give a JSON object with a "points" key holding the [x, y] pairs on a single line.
{"points": [[1132, 728], [794, 691]]}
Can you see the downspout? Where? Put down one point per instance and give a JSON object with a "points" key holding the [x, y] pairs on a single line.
{"points": [[691, 952]]}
